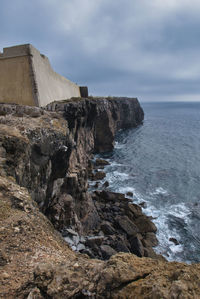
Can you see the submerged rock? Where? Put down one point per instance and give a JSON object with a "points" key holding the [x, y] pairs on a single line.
{"points": [[101, 162], [174, 241]]}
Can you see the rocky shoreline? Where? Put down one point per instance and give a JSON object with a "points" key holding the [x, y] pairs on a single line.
{"points": [[120, 225], [45, 163]]}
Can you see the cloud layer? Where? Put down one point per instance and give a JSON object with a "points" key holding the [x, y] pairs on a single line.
{"points": [[148, 49]]}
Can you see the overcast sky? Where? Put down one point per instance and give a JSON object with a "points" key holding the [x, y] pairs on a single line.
{"points": [[148, 49]]}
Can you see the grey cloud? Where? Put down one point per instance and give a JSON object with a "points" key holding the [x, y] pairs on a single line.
{"points": [[131, 48]]}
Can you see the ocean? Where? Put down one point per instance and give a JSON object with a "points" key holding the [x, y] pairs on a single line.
{"points": [[160, 163]]}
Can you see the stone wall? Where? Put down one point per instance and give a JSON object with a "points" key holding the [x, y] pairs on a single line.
{"points": [[50, 85], [15, 81], [26, 77]]}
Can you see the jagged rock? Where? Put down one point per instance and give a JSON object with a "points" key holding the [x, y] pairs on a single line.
{"points": [[144, 224], [174, 241], [101, 162], [143, 204], [107, 251], [35, 261], [107, 228], [96, 185], [111, 196], [130, 194], [135, 210], [136, 246], [106, 184], [96, 240], [150, 240], [127, 225], [99, 175]]}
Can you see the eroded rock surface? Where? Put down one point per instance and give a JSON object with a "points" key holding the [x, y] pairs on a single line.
{"points": [[44, 166]]}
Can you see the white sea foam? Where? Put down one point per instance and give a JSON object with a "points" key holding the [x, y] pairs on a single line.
{"points": [[159, 190], [180, 210], [116, 175], [118, 145], [166, 247], [115, 164]]}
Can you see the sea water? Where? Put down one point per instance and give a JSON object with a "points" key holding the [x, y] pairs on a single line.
{"points": [[160, 163]]}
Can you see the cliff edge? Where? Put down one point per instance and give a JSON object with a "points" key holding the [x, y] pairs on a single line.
{"points": [[46, 210]]}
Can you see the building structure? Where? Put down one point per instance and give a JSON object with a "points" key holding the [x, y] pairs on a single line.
{"points": [[27, 78]]}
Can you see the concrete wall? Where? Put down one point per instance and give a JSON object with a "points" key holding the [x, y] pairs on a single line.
{"points": [[26, 77], [50, 85], [15, 81]]}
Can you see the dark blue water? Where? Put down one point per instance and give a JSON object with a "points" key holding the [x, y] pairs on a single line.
{"points": [[160, 163]]}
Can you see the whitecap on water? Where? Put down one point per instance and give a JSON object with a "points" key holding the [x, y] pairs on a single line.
{"points": [[118, 145], [159, 190], [117, 175]]}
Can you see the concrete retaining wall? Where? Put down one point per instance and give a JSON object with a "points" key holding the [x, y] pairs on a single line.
{"points": [[26, 77], [15, 81]]}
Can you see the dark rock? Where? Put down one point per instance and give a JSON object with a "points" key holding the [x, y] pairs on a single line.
{"points": [[88, 252], [112, 196], [106, 184], [96, 185], [150, 240], [174, 241], [99, 175], [136, 246], [135, 210], [61, 211], [107, 228], [130, 194], [120, 245], [107, 251], [101, 162], [145, 225], [96, 240], [143, 204], [115, 208], [127, 225]]}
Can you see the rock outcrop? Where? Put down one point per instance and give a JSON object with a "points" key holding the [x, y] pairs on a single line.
{"points": [[48, 151], [44, 166]]}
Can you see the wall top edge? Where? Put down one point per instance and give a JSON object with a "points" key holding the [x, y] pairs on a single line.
{"points": [[19, 50]]}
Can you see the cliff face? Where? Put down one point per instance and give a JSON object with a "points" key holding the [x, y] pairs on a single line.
{"points": [[48, 152], [44, 166]]}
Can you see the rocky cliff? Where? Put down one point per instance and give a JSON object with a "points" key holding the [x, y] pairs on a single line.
{"points": [[45, 160]]}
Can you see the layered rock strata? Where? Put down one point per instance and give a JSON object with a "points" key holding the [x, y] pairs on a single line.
{"points": [[44, 156], [49, 151]]}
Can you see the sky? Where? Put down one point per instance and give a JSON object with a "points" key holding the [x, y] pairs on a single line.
{"points": [[148, 49]]}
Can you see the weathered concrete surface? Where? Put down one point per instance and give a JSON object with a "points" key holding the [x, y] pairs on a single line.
{"points": [[26, 78], [50, 85], [15, 81]]}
